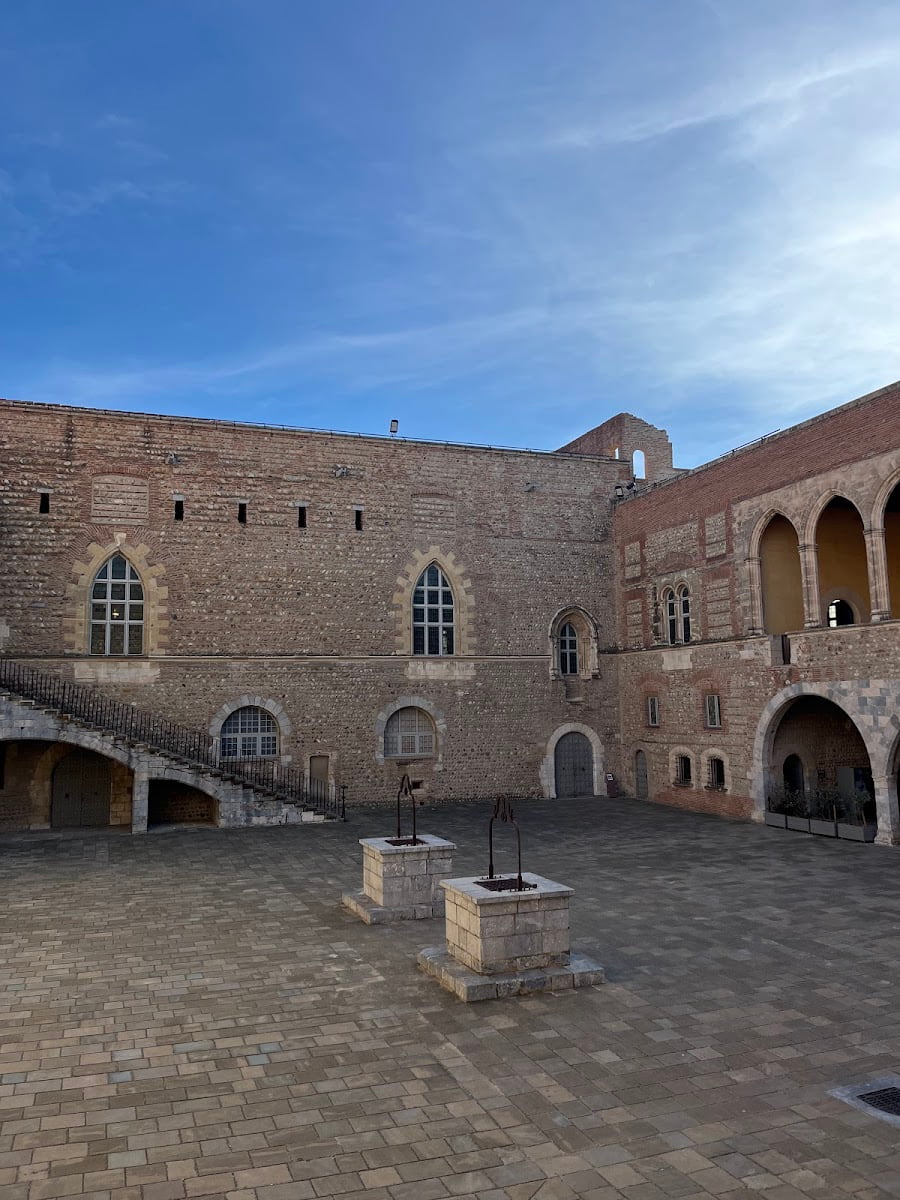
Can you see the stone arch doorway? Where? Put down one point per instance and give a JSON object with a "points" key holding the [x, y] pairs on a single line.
{"points": [[573, 761], [641, 782], [80, 791]]}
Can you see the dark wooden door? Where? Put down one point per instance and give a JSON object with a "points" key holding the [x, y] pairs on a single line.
{"points": [[574, 761], [641, 788], [80, 791]]}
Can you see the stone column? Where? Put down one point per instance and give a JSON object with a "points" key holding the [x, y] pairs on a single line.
{"points": [[140, 797], [812, 600], [888, 814], [879, 588], [754, 582]]}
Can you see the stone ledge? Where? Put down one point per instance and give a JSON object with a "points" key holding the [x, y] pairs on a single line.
{"points": [[468, 986], [364, 907]]}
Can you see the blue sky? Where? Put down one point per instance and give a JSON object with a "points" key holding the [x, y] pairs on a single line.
{"points": [[498, 222]]}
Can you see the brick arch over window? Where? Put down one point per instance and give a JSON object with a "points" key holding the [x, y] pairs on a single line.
{"points": [[463, 603], [584, 628], [272, 707], [419, 702], [77, 622]]}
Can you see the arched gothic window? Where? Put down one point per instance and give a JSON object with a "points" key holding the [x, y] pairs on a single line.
{"points": [[433, 613], [409, 733], [117, 609], [677, 605], [249, 733], [568, 650], [684, 598]]}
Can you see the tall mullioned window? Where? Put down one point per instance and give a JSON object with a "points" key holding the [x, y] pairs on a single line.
{"points": [[433, 613], [677, 606], [117, 609], [568, 650], [249, 733]]}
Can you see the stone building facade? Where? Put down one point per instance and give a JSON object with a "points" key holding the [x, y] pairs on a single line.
{"points": [[352, 609]]}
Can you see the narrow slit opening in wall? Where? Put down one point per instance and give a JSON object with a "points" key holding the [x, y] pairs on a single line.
{"points": [[242, 514], [358, 518], [301, 516], [44, 502], [179, 510]]}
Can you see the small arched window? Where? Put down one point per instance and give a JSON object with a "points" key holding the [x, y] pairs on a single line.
{"points": [[840, 613], [249, 733], [568, 650], [117, 609], [433, 613], [409, 733]]}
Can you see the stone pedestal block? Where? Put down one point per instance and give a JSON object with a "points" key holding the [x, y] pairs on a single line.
{"points": [[401, 882], [503, 943]]}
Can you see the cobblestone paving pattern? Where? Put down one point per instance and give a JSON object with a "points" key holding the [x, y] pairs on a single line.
{"points": [[191, 1013]]}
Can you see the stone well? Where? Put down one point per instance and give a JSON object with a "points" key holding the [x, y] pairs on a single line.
{"points": [[501, 943], [401, 879]]}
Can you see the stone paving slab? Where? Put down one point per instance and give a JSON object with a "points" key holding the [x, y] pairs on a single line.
{"points": [[194, 1014]]}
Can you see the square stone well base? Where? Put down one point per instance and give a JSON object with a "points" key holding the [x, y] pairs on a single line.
{"points": [[504, 943], [401, 883]]}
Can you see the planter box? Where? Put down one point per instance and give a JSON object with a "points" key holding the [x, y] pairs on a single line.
{"points": [[857, 833], [778, 820], [823, 828], [401, 882], [799, 824]]}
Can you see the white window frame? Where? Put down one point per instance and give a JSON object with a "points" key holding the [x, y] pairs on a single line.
{"points": [[409, 733], [433, 615], [713, 704], [117, 609], [248, 732], [568, 649]]}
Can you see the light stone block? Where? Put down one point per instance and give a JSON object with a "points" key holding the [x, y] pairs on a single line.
{"points": [[401, 882]]}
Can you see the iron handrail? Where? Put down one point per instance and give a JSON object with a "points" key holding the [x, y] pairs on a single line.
{"points": [[74, 700]]}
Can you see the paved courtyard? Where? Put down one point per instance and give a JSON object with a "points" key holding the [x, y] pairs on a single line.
{"points": [[191, 1013]]}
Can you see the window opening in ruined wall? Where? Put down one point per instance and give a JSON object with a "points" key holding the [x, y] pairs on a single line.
{"points": [[433, 614], [409, 733], [249, 733], [780, 577], [117, 609]]}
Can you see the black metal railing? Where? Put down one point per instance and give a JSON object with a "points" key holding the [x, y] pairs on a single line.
{"points": [[74, 700]]}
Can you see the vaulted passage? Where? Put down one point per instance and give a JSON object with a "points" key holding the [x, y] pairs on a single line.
{"points": [[177, 804], [843, 570], [819, 763], [782, 588]]}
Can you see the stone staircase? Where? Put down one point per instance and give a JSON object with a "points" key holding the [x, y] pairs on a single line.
{"points": [[263, 790]]}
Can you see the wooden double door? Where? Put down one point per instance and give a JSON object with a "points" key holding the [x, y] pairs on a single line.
{"points": [[80, 791]]}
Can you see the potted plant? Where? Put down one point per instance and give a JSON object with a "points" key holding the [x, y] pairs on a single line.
{"points": [[775, 810], [856, 818], [796, 810], [823, 813]]}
